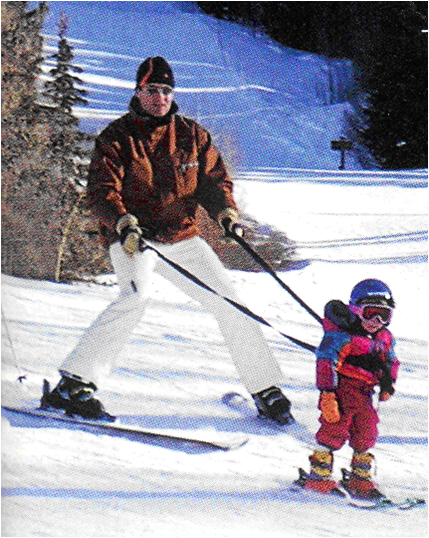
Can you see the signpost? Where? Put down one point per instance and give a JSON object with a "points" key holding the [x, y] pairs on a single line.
{"points": [[342, 145]]}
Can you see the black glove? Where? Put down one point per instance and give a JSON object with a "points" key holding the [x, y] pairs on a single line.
{"points": [[229, 221], [130, 233], [386, 384]]}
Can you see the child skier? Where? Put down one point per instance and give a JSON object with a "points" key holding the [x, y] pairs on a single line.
{"points": [[355, 355]]}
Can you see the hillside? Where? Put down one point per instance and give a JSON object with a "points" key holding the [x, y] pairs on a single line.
{"points": [[266, 104]]}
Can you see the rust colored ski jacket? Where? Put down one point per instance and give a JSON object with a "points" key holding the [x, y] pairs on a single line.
{"points": [[158, 169]]}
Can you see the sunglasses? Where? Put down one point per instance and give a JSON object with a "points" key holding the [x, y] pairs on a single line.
{"points": [[383, 313], [154, 90]]}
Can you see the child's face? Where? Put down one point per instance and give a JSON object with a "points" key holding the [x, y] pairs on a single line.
{"points": [[372, 325]]}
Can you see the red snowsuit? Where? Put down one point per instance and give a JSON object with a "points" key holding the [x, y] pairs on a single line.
{"points": [[351, 363]]}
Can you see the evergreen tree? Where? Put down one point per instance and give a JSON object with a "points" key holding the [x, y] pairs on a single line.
{"points": [[35, 196], [21, 54], [78, 252], [64, 92], [26, 163]]}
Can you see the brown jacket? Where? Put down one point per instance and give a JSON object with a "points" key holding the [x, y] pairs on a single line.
{"points": [[158, 170]]}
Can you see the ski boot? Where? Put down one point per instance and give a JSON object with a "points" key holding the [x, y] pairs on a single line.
{"points": [[319, 479], [75, 397], [272, 403], [358, 482]]}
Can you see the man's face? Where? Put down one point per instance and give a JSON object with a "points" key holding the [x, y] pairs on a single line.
{"points": [[155, 99]]}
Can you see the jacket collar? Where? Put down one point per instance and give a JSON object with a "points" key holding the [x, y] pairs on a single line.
{"points": [[137, 112]]}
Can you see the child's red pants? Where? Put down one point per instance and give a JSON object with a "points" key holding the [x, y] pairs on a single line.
{"points": [[359, 419]]}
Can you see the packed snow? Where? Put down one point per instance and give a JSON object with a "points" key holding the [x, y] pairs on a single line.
{"points": [[176, 369], [174, 372]]}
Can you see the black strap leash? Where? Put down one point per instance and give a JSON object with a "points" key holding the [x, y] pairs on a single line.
{"points": [[236, 305], [265, 265]]}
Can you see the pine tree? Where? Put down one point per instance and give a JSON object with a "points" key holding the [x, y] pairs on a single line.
{"points": [[71, 148], [21, 54], [21, 60], [36, 198], [27, 231], [64, 93]]}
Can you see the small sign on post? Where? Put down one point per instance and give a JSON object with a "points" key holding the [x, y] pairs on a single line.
{"points": [[342, 145]]}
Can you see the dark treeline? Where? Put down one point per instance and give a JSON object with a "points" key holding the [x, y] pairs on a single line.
{"points": [[388, 45], [321, 27], [339, 29]]}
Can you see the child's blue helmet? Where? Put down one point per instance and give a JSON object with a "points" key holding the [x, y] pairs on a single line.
{"points": [[371, 290]]}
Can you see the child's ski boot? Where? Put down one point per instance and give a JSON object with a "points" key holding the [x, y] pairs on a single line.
{"points": [[319, 479], [358, 482]]}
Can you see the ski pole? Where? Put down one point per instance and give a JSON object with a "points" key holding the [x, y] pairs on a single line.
{"points": [[236, 305], [265, 265], [21, 375]]}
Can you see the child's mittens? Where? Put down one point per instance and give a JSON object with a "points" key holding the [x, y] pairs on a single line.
{"points": [[328, 404]]}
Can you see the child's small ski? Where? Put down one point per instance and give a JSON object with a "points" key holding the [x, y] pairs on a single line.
{"points": [[382, 501], [341, 494]]}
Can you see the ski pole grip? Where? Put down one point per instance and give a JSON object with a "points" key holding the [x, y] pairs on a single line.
{"points": [[232, 229]]}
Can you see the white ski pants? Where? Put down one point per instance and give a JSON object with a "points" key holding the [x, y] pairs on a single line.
{"points": [[98, 351]]}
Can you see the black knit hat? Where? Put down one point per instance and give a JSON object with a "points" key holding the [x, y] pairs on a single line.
{"points": [[155, 70]]}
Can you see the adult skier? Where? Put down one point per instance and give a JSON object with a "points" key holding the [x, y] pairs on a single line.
{"points": [[355, 355], [150, 170]]}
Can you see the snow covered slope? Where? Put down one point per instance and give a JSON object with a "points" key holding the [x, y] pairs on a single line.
{"points": [[175, 370], [266, 104]]}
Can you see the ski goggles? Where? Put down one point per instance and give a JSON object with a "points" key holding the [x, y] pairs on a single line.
{"points": [[370, 311]]}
